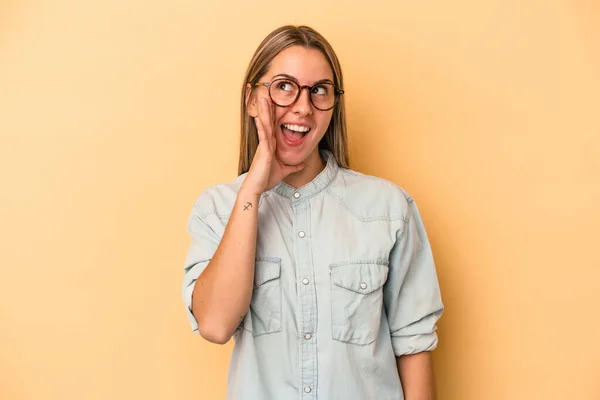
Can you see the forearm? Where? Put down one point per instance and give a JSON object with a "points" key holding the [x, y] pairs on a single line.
{"points": [[416, 375], [223, 291]]}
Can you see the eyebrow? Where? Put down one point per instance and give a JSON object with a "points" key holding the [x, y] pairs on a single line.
{"points": [[293, 78]]}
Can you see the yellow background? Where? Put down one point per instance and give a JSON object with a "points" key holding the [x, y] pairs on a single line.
{"points": [[115, 115]]}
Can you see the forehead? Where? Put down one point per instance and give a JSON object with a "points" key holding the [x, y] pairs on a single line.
{"points": [[308, 65]]}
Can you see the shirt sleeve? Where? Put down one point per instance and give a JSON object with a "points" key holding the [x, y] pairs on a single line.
{"points": [[204, 243], [412, 298]]}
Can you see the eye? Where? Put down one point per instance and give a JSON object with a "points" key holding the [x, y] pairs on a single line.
{"points": [[321, 90], [285, 86]]}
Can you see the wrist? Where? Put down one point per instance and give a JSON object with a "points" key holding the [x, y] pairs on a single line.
{"points": [[248, 194]]}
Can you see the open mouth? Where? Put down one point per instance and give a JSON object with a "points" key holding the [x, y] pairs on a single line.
{"points": [[294, 134]]}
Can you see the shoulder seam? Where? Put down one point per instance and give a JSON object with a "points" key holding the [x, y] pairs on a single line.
{"points": [[377, 218], [408, 197]]}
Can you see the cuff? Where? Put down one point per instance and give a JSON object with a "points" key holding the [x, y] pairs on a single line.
{"points": [[187, 299], [404, 345]]}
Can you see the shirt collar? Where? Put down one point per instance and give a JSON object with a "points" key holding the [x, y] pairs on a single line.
{"points": [[315, 186]]}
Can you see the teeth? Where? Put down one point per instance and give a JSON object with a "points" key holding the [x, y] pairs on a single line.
{"points": [[296, 128]]}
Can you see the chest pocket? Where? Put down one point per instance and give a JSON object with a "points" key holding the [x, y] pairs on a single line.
{"points": [[357, 301], [265, 306]]}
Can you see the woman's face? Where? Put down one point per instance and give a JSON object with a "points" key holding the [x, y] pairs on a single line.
{"points": [[306, 66]]}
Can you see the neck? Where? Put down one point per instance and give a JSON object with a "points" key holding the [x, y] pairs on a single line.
{"points": [[314, 166]]}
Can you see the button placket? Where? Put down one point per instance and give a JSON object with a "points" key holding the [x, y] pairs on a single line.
{"points": [[306, 296]]}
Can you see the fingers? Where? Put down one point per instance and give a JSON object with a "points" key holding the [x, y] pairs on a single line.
{"points": [[271, 108], [262, 137], [264, 130], [266, 115]]}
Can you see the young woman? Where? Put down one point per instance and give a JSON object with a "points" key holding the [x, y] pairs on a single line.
{"points": [[323, 276]]}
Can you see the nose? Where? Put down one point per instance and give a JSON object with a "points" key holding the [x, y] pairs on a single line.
{"points": [[303, 106]]}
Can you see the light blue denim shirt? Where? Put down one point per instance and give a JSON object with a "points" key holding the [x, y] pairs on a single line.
{"points": [[344, 282]]}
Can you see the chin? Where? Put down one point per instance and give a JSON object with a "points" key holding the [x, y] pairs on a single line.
{"points": [[291, 158]]}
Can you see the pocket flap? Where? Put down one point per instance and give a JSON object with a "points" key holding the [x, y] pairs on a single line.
{"points": [[266, 270], [360, 278]]}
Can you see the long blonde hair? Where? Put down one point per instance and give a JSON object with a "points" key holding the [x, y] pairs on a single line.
{"points": [[335, 139]]}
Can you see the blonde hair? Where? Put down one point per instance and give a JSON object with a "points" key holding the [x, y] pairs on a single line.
{"points": [[335, 139]]}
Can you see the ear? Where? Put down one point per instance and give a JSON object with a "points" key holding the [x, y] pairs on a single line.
{"points": [[251, 106]]}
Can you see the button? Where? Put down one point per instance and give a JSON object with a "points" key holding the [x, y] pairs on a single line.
{"points": [[307, 336], [307, 389], [363, 286], [305, 281], [301, 234], [296, 195]]}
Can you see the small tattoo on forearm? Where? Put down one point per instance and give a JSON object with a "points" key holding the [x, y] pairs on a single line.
{"points": [[247, 206]]}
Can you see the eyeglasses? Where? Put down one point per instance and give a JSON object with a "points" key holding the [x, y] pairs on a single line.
{"points": [[284, 92]]}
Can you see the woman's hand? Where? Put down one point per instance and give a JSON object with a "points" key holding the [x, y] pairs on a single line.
{"points": [[266, 169]]}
